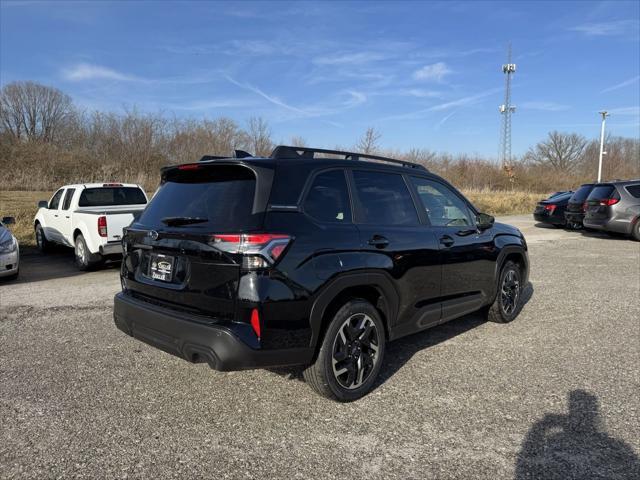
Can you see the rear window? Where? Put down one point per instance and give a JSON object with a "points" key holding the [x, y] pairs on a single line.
{"points": [[634, 190], [111, 196], [220, 198], [601, 192], [581, 194]]}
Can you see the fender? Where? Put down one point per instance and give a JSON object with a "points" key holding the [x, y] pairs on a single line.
{"points": [[88, 239], [518, 247], [378, 280]]}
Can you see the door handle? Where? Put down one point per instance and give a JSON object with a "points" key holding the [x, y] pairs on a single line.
{"points": [[378, 241], [56, 215], [446, 241], [66, 216]]}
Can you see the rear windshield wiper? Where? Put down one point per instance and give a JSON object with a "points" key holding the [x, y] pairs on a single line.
{"points": [[176, 221]]}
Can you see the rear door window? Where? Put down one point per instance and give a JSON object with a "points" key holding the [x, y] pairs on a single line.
{"points": [[634, 190], [328, 198], [67, 198], [216, 198], [111, 197], [384, 199]]}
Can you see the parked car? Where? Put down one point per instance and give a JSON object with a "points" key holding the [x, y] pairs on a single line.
{"points": [[615, 207], [90, 218], [9, 250], [574, 211], [299, 260], [551, 210]]}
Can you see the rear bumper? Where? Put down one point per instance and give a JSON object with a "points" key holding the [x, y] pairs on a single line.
{"points": [[607, 224], [196, 342], [111, 248], [541, 217], [574, 217]]}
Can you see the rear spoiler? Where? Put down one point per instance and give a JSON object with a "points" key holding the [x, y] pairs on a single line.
{"points": [[236, 154]]}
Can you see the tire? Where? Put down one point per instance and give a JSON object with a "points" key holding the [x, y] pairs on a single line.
{"points": [[635, 231], [350, 354], [85, 260], [506, 306], [42, 243]]}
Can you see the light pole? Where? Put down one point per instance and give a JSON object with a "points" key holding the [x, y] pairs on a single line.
{"points": [[604, 114]]}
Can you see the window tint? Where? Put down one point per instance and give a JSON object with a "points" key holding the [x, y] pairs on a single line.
{"points": [[67, 198], [634, 190], [601, 192], [328, 198], [581, 194], [111, 196], [384, 199], [444, 208], [221, 195], [55, 200]]}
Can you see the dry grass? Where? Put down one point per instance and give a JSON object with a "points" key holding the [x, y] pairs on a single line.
{"points": [[503, 202], [23, 206]]}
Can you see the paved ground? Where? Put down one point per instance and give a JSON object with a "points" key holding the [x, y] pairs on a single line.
{"points": [[552, 395]]}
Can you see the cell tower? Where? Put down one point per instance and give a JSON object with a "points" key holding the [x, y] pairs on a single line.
{"points": [[506, 109]]}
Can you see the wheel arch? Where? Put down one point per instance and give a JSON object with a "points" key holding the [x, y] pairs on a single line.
{"points": [[375, 288], [518, 255]]}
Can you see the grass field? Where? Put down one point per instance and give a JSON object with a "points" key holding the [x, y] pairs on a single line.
{"points": [[23, 206]]}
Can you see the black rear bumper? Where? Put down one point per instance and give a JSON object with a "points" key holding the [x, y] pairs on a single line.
{"points": [[197, 342]]}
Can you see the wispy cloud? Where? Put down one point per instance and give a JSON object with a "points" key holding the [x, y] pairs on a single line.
{"points": [[86, 71], [626, 83], [434, 72], [632, 111], [445, 119], [357, 58], [612, 28], [270, 98], [545, 106]]}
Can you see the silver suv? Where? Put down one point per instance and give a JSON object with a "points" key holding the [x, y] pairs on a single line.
{"points": [[614, 207]]}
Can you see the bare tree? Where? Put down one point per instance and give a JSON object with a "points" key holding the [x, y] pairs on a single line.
{"points": [[297, 141], [368, 143], [561, 151], [33, 112], [259, 137]]}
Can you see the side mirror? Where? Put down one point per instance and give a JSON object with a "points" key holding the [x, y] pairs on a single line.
{"points": [[43, 204], [8, 220], [484, 221]]}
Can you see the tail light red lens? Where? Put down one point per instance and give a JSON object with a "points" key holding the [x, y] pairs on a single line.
{"points": [[550, 208], [189, 166], [607, 202], [268, 246], [102, 226], [584, 206], [255, 322]]}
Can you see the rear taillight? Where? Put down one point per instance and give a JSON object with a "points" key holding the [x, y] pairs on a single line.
{"points": [[607, 202], [259, 249], [102, 226], [550, 208], [255, 322]]}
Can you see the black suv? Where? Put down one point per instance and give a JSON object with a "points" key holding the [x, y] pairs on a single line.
{"points": [[289, 260]]}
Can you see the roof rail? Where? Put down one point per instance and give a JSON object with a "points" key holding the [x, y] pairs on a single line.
{"points": [[236, 154], [283, 151]]}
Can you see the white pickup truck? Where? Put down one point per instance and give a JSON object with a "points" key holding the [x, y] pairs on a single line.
{"points": [[89, 218]]}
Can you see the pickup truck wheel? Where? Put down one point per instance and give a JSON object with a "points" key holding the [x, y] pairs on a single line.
{"points": [[41, 240], [350, 355], [85, 260], [507, 304]]}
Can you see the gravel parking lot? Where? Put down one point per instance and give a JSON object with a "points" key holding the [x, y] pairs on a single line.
{"points": [[555, 394]]}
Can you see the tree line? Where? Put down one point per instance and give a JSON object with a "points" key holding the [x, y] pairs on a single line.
{"points": [[46, 140]]}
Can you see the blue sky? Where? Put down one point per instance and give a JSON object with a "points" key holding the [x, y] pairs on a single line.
{"points": [[425, 74]]}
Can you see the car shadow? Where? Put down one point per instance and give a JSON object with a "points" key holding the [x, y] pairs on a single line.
{"points": [[604, 235], [575, 445], [548, 226], [57, 263], [400, 351]]}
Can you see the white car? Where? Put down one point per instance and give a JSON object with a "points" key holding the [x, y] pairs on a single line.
{"points": [[90, 218], [9, 250]]}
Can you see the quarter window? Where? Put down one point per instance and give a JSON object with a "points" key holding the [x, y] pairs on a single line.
{"points": [[634, 190], [443, 207], [384, 199], [328, 198], [55, 200]]}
